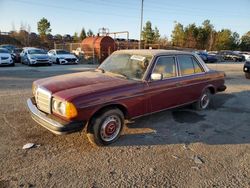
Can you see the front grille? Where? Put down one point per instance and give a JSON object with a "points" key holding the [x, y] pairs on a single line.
{"points": [[71, 59], [42, 60], [4, 58], [43, 100]]}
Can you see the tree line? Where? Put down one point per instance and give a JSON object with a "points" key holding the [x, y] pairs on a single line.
{"points": [[44, 38], [203, 37], [190, 36]]}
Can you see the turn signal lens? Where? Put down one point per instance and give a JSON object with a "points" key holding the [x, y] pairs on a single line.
{"points": [[71, 111], [34, 87]]}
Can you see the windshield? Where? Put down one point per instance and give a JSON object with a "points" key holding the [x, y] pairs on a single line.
{"points": [[36, 51], [131, 66], [62, 52], [2, 50]]}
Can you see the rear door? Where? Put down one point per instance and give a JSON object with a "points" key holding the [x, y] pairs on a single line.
{"points": [[192, 78]]}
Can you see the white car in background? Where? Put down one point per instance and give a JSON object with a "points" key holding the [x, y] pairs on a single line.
{"points": [[33, 56], [5, 57], [62, 57]]}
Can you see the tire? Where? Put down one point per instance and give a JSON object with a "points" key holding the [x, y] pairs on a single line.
{"points": [[57, 61], [106, 127], [247, 75], [28, 63], [204, 101]]}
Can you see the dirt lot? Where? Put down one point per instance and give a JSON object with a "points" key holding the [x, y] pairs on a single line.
{"points": [[175, 148]]}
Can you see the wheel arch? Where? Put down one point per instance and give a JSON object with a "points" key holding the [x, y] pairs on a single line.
{"points": [[99, 111], [211, 88]]}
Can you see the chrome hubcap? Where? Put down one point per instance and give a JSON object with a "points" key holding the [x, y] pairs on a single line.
{"points": [[110, 128], [204, 101]]}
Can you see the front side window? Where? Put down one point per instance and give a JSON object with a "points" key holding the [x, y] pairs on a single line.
{"points": [[166, 66], [188, 65]]}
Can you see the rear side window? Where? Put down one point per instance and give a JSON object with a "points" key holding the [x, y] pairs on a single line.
{"points": [[197, 67], [188, 65], [166, 66]]}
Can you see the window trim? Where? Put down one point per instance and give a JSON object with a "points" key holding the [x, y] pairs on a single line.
{"points": [[192, 56], [176, 67]]}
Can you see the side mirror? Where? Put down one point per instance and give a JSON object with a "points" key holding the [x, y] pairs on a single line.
{"points": [[156, 76]]}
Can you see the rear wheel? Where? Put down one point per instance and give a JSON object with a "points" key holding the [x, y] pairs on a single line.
{"points": [[106, 127], [203, 101], [247, 75]]}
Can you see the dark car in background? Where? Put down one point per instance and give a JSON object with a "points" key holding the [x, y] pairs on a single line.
{"points": [[246, 69], [232, 56], [16, 54], [208, 58]]}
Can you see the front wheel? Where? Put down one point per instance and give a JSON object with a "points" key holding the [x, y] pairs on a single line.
{"points": [[106, 127], [203, 101], [247, 75]]}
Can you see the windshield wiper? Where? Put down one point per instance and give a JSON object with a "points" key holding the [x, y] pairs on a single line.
{"points": [[101, 69], [123, 75]]}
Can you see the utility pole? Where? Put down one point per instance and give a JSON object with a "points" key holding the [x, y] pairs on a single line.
{"points": [[141, 23]]}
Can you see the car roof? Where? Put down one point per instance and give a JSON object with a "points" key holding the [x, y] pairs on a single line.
{"points": [[153, 52], [28, 48]]}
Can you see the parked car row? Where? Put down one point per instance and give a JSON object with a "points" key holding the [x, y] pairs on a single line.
{"points": [[227, 55], [33, 56]]}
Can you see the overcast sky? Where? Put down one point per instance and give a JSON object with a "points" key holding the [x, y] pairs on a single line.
{"points": [[67, 17]]}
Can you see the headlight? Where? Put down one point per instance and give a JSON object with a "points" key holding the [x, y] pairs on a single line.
{"points": [[33, 58], [64, 108]]}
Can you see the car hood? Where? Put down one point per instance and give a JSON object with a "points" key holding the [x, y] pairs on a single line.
{"points": [[39, 56], [5, 55], [70, 86], [66, 56]]}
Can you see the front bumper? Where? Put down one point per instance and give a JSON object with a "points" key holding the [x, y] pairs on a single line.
{"points": [[35, 62], [6, 62], [65, 61], [53, 124]]}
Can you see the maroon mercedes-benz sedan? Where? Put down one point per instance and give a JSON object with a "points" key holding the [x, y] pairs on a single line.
{"points": [[127, 85]]}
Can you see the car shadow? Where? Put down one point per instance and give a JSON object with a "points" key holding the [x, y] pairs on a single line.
{"points": [[217, 125]]}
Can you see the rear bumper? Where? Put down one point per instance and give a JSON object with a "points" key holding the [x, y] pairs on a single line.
{"points": [[55, 125], [221, 88]]}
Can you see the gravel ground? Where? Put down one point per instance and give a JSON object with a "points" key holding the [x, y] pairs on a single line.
{"points": [[175, 148]]}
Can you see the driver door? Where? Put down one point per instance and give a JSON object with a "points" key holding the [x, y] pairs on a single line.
{"points": [[164, 93]]}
